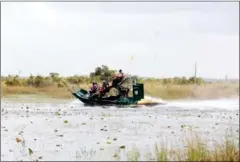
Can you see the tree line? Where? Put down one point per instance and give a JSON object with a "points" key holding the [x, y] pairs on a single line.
{"points": [[100, 73]]}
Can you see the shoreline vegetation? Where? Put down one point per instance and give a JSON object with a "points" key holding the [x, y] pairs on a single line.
{"points": [[195, 150], [55, 86]]}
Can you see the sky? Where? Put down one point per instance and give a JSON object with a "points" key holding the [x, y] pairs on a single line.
{"points": [[164, 38]]}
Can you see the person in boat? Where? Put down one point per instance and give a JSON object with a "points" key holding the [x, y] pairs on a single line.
{"points": [[93, 88], [120, 75], [104, 88], [118, 78]]}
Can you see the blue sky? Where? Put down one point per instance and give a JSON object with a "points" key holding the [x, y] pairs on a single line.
{"points": [[166, 39]]}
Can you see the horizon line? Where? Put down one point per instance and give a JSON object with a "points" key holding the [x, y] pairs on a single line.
{"points": [[87, 75]]}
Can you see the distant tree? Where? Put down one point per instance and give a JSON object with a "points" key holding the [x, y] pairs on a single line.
{"points": [[184, 80], [55, 76], [31, 80], [98, 71], [102, 73], [196, 80], [13, 80], [39, 81]]}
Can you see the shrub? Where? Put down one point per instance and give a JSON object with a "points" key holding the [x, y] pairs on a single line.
{"points": [[100, 73]]}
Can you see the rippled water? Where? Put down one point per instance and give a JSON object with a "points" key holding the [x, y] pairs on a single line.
{"points": [[96, 133]]}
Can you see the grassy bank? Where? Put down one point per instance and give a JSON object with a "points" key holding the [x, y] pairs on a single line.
{"points": [[203, 91], [152, 88], [54, 85], [194, 151]]}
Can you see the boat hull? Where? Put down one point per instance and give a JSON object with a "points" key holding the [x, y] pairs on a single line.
{"points": [[83, 96]]}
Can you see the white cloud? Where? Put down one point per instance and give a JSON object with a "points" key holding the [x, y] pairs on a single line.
{"points": [[76, 37]]}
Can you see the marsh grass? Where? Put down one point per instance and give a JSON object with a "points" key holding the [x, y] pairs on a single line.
{"points": [[204, 91], [168, 91], [196, 150], [153, 88], [161, 154], [134, 155], [103, 114], [50, 91]]}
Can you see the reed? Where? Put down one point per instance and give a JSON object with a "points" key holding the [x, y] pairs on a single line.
{"points": [[196, 150], [167, 92]]}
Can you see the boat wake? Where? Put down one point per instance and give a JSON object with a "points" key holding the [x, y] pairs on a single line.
{"points": [[224, 104], [154, 99]]}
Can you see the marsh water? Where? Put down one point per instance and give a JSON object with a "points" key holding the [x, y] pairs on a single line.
{"points": [[67, 130]]}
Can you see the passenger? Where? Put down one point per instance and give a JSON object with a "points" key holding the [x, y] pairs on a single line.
{"points": [[120, 75], [104, 89], [93, 88], [96, 86], [118, 78]]}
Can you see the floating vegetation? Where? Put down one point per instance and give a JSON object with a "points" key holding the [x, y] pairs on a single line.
{"points": [[30, 151]]}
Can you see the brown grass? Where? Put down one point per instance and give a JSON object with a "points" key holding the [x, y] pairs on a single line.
{"points": [[51, 91], [168, 91], [216, 90], [156, 89], [205, 91]]}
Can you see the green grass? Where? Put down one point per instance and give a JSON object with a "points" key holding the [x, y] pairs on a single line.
{"points": [[196, 150], [134, 155]]}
